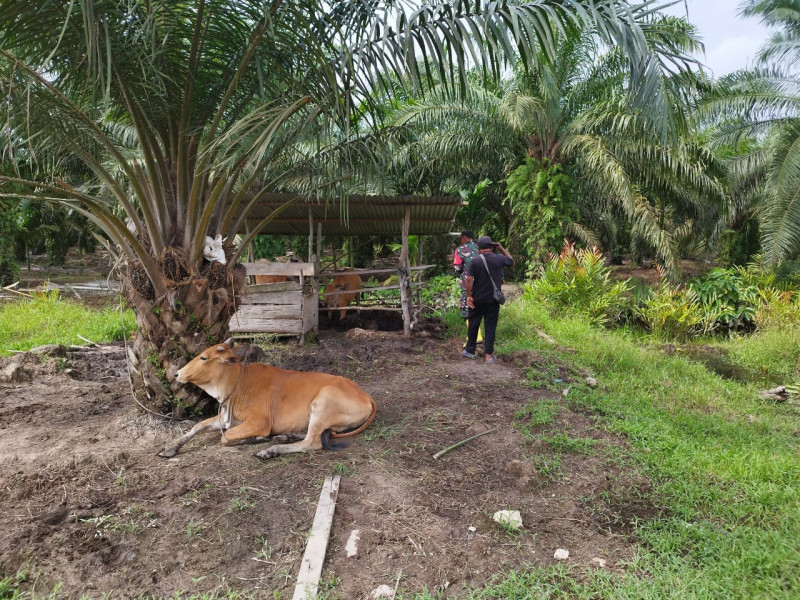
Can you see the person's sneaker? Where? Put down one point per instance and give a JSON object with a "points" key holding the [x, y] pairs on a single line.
{"points": [[466, 354], [490, 360]]}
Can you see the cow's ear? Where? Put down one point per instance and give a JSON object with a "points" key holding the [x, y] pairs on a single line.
{"points": [[237, 354]]}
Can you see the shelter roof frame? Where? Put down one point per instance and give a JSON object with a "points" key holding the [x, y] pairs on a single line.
{"points": [[360, 215]]}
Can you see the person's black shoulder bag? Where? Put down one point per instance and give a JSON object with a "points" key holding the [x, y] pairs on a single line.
{"points": [[499, 296]]}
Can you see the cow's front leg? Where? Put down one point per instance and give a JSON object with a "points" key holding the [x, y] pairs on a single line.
{"points": [[210, 424]]}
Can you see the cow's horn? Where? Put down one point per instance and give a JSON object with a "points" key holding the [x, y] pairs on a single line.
{"points": [[229, 342]]}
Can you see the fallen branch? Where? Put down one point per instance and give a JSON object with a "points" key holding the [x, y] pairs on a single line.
{"points": [[9, 288], [462, 442], [87, 340], [546, 337]]}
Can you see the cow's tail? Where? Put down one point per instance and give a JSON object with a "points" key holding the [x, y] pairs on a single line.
{"points": [[366, 423]]}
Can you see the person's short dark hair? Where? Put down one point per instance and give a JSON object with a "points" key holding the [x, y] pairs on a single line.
{"points": [[468, 233]]}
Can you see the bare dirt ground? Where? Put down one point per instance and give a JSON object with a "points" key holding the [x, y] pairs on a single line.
{"points": [[87, 504]]}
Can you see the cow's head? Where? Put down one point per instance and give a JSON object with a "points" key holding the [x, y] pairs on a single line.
{"points": [[208, 369]]}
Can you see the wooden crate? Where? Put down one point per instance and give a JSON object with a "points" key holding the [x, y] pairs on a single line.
{"points": [[284, 308]]}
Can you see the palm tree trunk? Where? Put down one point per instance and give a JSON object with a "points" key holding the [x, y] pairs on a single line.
{"points": [[192, 315]]}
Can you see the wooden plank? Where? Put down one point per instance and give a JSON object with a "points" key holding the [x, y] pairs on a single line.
{"points": [[373, 289], [362, 272], [362, 307], [270, 311], [280, 286], [290, 269], [310, 312], [285, 326], [260, 298], [314, 557]]}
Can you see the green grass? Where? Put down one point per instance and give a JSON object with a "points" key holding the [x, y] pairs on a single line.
{"points": [[724, 467], [769, 356], [26, 324]]}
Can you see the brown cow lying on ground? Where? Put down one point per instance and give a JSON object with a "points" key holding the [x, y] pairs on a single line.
{"points": [[346, 281], [258, 401]]}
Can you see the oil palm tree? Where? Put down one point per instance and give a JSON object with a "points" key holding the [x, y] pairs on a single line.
{"points": [[188, 112], [763, 104], [573, 115]]}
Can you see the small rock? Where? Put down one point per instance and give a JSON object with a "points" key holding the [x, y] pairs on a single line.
{"points": [[561, 554], [473, 529], [591, 382], [357, 333], [777, 394], [600, 562], [352, 543], [383, 591], [509, 518], [14, 372], [566, 391]]}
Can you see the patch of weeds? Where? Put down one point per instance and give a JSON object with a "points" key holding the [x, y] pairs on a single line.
{"points": [[343, 469], [549, 375], [381, 430], [193, 529], [439, 421], [327, 588], [9, 586], [536, 413], [61, 363], [194, 496], [510, 530], [548, 467], [561, 442], [240, 503], [106, 524], [264, 551]]}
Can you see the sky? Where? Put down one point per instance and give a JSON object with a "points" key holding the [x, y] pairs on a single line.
{"points": [[731, 43]]}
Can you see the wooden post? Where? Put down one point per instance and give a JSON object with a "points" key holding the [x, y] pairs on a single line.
{"points": [[311, 567], [248, 254], [350, 251], [310, 234], [318, 262], [404, 275], [420, 272]]}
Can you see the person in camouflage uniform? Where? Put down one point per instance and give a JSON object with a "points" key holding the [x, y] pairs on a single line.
{"points": [[466, 251]]}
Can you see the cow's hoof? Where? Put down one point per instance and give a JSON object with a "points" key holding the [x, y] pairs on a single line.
{"points": [[266, 453], [167, 453]]}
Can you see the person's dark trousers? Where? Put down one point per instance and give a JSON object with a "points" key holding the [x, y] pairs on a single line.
{"points": [[487, 312]]}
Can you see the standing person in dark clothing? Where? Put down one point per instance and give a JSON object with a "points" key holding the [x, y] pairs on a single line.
{"points": [[480, 294]]}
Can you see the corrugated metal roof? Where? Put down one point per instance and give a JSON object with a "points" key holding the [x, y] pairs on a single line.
{"points": [[360, 216]]}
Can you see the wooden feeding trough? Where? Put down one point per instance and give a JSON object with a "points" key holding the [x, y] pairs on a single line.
{"points": [[283, 308]]}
